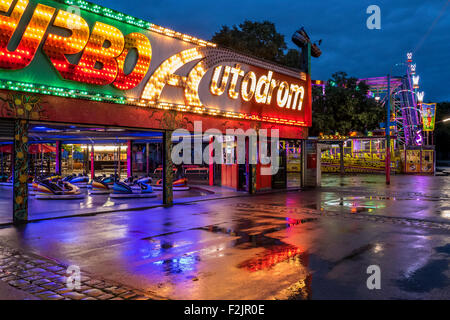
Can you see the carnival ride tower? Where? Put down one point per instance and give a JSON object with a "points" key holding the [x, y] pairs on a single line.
{"points": [[409, 106], [406, 120]]}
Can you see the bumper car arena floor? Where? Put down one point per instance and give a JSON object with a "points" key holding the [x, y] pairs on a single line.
{"points": [[90, 204]]}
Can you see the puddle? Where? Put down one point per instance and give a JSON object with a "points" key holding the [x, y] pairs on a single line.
{"points": [[356, 204], [275, 250], [273, 256]]}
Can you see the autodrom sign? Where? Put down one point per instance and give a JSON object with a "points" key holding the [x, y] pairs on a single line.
{"points": [[81, 50]]}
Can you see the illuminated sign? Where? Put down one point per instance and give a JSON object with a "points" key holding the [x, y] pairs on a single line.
{"points": [[428, 116], [261, 88], [73, 48]]}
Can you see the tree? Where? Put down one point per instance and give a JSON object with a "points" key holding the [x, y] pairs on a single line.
{"points": [[442, 131], [260, 39], [344, 107]]}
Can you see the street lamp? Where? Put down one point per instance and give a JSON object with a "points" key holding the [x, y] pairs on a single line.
{"points": [[388, 127]]}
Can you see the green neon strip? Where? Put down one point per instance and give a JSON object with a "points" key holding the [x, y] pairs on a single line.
{"points": [[116, 15], [106, 12], [60, 92], [92, 96]]}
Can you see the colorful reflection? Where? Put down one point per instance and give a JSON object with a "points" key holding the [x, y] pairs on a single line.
{"points": [[271, 257]]}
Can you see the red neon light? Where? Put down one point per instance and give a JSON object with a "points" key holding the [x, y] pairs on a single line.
{"points": [[31, 38], [144, 48], [94, 53], [56, 47]]}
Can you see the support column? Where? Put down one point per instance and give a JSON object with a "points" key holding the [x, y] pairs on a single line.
{"points": [[341, 146], [2, 168], [167, 176], [129, 158], [20, 172], [303, 164], [147, 157], [119, 164], [211, 162], [388, 133], [250, 159], [253, 157], [58, 158], [92, 163], [86, 160]]}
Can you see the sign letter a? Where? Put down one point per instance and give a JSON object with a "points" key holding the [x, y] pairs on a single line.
{"points": [[374, 20]]}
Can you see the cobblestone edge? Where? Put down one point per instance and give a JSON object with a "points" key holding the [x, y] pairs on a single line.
{"points": [[46, 280]]}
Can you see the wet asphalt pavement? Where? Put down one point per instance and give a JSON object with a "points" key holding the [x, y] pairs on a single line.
{"points": [[311, 244]]}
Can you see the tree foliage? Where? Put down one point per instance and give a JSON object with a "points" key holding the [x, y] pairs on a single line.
{"points": [[344, 107], [260, 39]]}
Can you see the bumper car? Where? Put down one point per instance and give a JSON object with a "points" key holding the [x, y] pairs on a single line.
{"points": [[102, 185], [178, 185], [99, 187], [125, 190], [81, 181], [60, 190], [144, 179]]}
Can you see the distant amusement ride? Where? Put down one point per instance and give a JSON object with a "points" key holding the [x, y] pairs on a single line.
{"points": [[411, 126]]}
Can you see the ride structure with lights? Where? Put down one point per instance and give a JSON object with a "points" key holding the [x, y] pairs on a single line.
{"points": [[411, 125], [406, 99]]}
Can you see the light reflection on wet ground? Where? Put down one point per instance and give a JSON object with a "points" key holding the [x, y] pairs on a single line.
{"points": [[41, 209], [262, 247]]}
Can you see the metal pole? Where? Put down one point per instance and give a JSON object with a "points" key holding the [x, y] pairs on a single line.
{"points": [[167, 178], [58, 158], [211, 162], [92, 163], [388, 137], [2, 165], [119, 163], [147, 156], [129, 159], [115, 163]]}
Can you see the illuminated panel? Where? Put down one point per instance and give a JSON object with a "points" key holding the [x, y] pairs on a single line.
{"points": [[294, 100], [94, 96], [247, 94], [193, 83], [161, 76], [237, 72], [144, 48], [31, 38], [95, 52], [56, 47], [8, 25], [263, 83], [215, 90], [283, 94]]}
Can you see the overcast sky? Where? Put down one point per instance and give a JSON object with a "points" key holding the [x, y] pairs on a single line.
{"points": [[348, 45]]}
